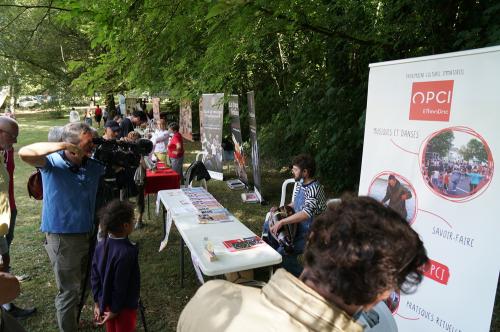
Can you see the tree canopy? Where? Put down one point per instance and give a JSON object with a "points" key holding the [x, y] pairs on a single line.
{"points": [[474, 150], [306, 60], [442, 143]]}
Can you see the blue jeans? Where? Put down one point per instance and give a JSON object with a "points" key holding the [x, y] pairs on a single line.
{"points": [[289, 261]]}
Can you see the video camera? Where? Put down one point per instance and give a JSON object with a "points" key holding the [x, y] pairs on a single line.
{"points": [[121, 153]]}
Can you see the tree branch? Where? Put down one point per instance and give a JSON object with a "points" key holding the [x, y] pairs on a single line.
{"points": [[53, 71], [38, 25], [13, 20], [35, 6], [320, 29]]}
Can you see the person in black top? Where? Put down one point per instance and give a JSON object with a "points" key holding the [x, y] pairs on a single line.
{"points": [[115, 274]]}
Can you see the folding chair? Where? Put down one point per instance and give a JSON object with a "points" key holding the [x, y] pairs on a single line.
{"points": [[379, 319], [283, 195], [196, 172]]}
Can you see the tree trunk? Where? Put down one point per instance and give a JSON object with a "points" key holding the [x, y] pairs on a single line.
{"points": [[110, 105]]}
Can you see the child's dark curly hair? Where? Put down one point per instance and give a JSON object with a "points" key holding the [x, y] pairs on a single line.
{"points": [[358, 249], [114, 215]]}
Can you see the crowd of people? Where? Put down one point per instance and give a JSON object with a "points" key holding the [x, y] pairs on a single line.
{"points": [[456, 178], [72, 193], [342, 259]]}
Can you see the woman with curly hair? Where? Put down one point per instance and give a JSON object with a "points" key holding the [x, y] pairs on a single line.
{"points": [[358, 252]]}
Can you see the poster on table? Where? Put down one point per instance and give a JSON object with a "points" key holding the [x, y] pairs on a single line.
{"points": [[156, 108], [431, 143], [211, 114], [239, 153], [185, 120], [130, 104], [255, 145]]}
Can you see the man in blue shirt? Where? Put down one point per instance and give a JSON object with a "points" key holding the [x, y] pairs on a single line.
{"points": [[70, 181]]}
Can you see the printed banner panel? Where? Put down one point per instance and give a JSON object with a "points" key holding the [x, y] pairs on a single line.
{"points": [[156, 108], [431, 143], [211, 114], [239, 153], [185, 120], [255, 145]]}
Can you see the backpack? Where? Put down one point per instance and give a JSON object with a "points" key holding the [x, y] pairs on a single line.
{"points": [[35, 186]]}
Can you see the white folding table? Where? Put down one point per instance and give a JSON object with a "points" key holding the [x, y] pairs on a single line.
{"points": [[193, 233]]}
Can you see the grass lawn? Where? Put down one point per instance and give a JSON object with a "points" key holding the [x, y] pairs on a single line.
{"points": [[160, 289]]}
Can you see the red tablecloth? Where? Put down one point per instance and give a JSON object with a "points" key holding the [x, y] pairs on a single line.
{"points": [[161, 179]]}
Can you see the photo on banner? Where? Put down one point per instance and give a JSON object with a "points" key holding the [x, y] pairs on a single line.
{"points": [[185, 120], [255, 145], [431, 141], [156, 108], [211, 116], [239, 153]]}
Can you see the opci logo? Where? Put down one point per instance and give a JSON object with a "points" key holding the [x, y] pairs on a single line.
{"points": [[431, 101], [437, 272]]}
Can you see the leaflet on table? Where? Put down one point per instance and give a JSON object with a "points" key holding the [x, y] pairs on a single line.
{"points": [[206, 206], [189, 210], [204, 210], [213, 218], [206, 203], [195, 190], [243, 244]]}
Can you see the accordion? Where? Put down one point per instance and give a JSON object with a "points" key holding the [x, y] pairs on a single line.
{"points": [[285, 234]]}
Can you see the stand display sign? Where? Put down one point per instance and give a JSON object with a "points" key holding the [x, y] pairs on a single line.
{"points": [[211, 114], [255, 145], [239, 153], [431, 142], [156, 108], [130, 105], [185, 120]]}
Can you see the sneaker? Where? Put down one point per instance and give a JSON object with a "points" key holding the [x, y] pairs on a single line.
{"points": [[23, 277], [19, 313]]}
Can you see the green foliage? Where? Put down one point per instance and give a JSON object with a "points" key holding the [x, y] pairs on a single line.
{"points": [[474, 150], [441, 144], [306, 60]]}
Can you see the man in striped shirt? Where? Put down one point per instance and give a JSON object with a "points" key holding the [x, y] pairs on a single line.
{"points": [[309, 200]]}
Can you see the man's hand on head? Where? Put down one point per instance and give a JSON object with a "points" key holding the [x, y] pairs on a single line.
{"points": [[74, 150]]}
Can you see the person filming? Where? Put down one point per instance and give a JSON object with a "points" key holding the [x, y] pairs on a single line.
{"points": [[70, 182]]}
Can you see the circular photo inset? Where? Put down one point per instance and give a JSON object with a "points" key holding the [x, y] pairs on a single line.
{"points": [[456, 164], [396, 192], [392, 301]]}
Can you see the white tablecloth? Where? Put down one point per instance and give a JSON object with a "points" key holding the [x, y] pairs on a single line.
{"points": [[185, 218]]}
